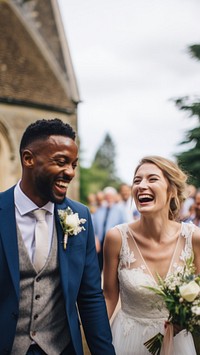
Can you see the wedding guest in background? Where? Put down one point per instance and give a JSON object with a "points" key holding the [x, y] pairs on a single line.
{"points": [[100, 198], [106, 216], [128, 203], [44, 277], [135, 253], [92, 205], [185, 211], [92, 202], [195, 213], [118, 197]]}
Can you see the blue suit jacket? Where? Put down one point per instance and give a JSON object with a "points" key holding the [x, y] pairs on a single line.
{"points": [[80, 280]]}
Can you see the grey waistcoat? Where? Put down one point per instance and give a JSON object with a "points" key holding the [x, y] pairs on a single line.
{"points": [[42, 315]]}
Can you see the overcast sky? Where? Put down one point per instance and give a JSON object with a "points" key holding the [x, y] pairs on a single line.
{"points": [[130, 58]]}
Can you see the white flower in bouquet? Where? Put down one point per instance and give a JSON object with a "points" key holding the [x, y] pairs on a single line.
{"points": [[196, 310], [189, 291]]}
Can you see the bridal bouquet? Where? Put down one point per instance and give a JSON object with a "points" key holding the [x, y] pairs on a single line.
{"points": [[180, 292]]}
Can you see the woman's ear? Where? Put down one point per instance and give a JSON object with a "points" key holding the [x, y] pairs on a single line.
{"points": [[172, 192], [27, 158]]}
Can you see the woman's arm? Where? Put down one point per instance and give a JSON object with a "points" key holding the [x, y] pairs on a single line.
{"points": [[112, 247], [196, 248]]}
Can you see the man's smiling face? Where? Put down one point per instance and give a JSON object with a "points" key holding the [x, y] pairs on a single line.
{"points": [[53, 167]]}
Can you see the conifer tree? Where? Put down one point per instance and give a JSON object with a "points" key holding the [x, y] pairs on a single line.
{"points": [[102, 171], [189, 160]]}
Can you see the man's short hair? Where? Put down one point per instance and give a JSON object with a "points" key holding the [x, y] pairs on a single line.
{"points": [[42, 129]]}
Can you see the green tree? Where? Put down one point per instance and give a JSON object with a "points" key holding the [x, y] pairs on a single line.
{"points": [[105, 156], [91, 180], [189, 160], [102, 171]]}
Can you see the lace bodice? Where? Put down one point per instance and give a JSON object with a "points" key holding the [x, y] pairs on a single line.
{"points": [[138, 302]]}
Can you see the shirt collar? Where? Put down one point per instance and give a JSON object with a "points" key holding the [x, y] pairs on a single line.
{"points": [[25, 205]]}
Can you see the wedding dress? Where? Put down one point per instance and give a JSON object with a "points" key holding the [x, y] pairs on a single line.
{"points": [[143, 314]]}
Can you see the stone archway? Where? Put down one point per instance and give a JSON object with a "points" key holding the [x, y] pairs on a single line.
{"points": [[7, 163]]}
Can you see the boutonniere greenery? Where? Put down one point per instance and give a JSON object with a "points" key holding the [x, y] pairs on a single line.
{"points": [[71, 224]]}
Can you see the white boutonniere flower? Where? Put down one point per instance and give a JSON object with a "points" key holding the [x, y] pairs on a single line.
{"points": [[71, 224]]}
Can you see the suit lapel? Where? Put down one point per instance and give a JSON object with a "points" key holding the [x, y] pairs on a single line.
{"points": [[8, 235], [62, 254]]}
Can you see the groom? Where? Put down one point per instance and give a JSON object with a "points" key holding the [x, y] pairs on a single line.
{"points": [[45, 288]]}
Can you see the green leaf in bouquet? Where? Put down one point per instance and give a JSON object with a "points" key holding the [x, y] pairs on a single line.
{"points": [[157, 290]]}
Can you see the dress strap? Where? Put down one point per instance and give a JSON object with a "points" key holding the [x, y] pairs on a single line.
{"points": [[187, 230], [126, 255]]}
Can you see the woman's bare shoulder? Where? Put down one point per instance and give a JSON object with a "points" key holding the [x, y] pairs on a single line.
{"points": [[196, 238], [196, 248], [113, 238]]}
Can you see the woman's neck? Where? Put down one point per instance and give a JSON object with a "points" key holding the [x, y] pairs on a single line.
{"points": [[156, 227]]}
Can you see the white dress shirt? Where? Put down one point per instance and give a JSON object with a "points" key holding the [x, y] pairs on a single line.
{"points": [[26, 220]]}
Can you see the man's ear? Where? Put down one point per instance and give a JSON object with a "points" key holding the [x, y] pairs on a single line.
{"points": [[27, 158]]}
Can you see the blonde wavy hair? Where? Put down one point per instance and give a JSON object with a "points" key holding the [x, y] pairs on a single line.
{"points": [[176, 178]]}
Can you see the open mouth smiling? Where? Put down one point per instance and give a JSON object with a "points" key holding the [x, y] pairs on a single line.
{"points": [[145, 198], [61, 186]]}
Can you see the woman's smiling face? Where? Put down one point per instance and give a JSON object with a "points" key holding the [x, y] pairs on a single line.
{"points": [[150, 189]]}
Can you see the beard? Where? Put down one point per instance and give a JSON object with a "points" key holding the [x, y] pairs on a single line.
{"points": [[44, 187]]}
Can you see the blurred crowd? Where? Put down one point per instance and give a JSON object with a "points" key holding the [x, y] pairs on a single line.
{"points": [[190, 211]]}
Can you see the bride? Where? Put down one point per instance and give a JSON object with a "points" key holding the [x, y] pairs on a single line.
{"points": [[135, 253]]}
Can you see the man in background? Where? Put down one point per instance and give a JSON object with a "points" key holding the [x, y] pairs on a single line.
{"points": [[108, 215], [195, 210], [128, 203]]}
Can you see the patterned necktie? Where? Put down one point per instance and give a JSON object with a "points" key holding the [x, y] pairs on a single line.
{"points": [[41, 239]]}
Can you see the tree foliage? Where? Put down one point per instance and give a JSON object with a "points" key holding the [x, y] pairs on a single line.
{"points": [[102, 171], [189, 160], [105, 157]]}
